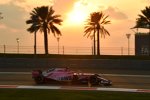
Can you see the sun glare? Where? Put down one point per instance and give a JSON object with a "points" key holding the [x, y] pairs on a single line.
{"points": [[80, 12], [78, 15]]}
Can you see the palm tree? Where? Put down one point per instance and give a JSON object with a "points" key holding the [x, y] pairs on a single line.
{"points": [[44, 20], [144, 21], [89, 28], [96, 24], [34, 28]]}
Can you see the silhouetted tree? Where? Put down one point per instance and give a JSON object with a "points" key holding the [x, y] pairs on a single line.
{"points": [[90, 31], [96, 24], [143, 21], [44, 20]]}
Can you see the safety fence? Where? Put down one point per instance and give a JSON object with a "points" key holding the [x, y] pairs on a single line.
{"points": [[66, 50]]}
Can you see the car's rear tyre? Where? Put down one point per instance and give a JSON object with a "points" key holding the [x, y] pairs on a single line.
{"points": [[39, 80], [75, 79], [93, 80]]}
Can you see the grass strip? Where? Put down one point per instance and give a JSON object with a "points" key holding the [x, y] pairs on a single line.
{"points": [[29, 94]]}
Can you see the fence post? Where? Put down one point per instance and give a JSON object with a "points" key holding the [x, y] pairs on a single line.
{"points": [[63, 50], [121, 50], [4, 48]]}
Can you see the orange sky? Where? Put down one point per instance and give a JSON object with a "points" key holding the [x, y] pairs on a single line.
{"points": [[122, 14]]}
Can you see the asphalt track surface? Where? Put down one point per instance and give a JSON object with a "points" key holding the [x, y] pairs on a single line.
{"points": [[120, 81]]}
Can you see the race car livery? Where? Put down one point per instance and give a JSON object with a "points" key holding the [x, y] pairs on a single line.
{"points": [[65, 75]]}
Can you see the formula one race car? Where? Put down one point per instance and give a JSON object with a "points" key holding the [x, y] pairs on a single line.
{"points": [[65, 75]]}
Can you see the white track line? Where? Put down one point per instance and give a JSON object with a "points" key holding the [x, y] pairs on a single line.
{"points": [[118, 89], [124, 75], [22, 73], [76, 88], [38, 87]]}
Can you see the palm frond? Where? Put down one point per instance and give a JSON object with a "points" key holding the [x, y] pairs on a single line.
{"points": [[144, 19]]}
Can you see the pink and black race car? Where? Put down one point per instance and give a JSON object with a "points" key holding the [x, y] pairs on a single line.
{"points": [[65, 75]]}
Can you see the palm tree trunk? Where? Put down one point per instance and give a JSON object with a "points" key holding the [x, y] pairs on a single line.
{"points": [[94, 43], [149, 40], [98, 43], [35, 42], [45, 41]]}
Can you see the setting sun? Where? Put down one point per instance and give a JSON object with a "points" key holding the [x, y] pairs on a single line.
{"points": [[78, 15], [80, 12]]}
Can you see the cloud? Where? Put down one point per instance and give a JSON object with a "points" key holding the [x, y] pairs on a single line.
{"points": [[19, 1], [28, 5], [10, 1], [13, 16], [114, 13], [93, 5], [5, 1], [67, 5], [146, 1], [15, 12]]}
